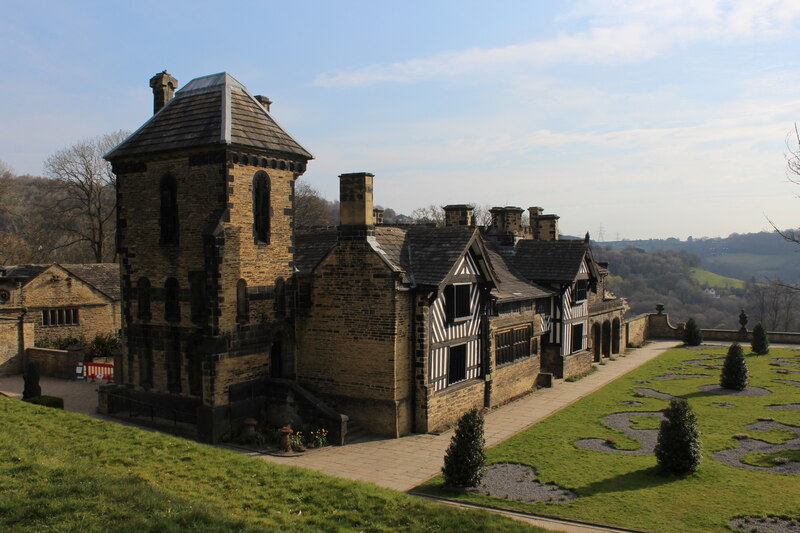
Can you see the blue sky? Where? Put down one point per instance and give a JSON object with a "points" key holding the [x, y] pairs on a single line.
{"points": [[646, 119]]}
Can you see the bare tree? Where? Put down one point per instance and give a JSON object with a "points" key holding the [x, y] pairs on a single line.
{"points": [[310, 209], [432, 214], [86, 193]]}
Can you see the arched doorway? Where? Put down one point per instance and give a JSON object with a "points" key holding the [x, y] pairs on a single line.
{"points": [[596, 340], [606, 339], [615, 333]]}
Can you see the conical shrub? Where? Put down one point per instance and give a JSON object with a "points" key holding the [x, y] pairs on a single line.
{"points": [[692, 336], [678, 450], [734, 373], [465, 459], [760, 343]]}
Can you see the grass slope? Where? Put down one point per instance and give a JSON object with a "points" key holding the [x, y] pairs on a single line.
{"points": [[709, 279], [629, 491], [70, 473]]}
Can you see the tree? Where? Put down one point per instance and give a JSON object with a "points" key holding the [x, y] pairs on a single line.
{"points": [[86, 193], [734, 373], [310, 209], [465, 457], [692, 336], [760, 342], [679, 450], [433, 214]]}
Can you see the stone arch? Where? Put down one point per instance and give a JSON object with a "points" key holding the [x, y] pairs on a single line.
{"points": [[606, 343], [596, 341], [615, 335]]}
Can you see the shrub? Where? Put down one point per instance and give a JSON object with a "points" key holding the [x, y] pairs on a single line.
{"points": [[734, 373], [47, 401], [103, 345], [692, 336], [760, 343], [678, 450], [465, 457]]}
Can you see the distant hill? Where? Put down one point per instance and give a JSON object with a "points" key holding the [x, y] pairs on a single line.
{"points": [[709, 279], [759, 256]]}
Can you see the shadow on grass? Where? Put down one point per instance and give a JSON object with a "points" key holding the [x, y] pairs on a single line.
{"points": [[640, 479]]}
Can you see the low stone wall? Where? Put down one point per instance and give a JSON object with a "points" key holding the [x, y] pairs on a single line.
{"points": [[55, 363], [514, 379], [636, 331], [660, 328], [577, 363]]}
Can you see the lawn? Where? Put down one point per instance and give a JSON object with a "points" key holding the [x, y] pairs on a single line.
{"points": [[67, 472], [629, 490], [707, 278]]}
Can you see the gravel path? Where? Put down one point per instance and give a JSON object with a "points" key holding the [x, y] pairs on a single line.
{"points": [[784, 362], [623, 422], [786, 407], [751, 524], [681, 376], [733, 456], [749, 391], [704, 363], [518, 482]]}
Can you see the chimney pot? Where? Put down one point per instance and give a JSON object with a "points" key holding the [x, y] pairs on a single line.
{"points": [[163, 85], [264, 101]]}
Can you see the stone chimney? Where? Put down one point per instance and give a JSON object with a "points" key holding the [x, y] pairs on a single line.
{"points": [[377, 216], [264, 101], [459, 215], [356, 216], [543, 227], [507, 219], [164, 85]]}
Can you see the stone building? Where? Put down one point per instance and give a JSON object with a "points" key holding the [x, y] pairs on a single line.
{"points": [[57, 302], [228, 313]]}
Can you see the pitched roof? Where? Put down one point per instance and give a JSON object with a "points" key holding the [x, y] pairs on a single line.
{"points": [[430, 253], [211, 110], [24, 273], [545, 261], [104, 277], [310, 247], [511, 285]]}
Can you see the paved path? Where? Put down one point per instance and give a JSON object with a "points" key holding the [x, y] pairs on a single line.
{"points": [[402, 464], [79, 396]]}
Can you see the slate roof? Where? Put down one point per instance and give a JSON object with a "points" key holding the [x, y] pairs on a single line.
{"points": [[510, 284], [549, 261], [104, 277], [310, 247], [430, 253], [211, 110]]}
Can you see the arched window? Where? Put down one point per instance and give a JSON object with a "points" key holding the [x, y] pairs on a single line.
{"points": [[172, 308], [261, 207], [143, 299], [242, 305], [168, 214]]}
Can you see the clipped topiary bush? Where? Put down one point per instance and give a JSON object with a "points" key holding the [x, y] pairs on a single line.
{"points": [[465, 459], [692, 336], [678, 450], [47, 401], [760, 343], [734, 373]]}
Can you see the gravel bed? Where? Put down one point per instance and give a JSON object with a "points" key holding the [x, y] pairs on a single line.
{"points": [[733, 456], [623, 422], [788, 382], [786, 407], [703, 363], [749, 391], [632, 402], [723, 404], [760, 524], [642, 382], [655, 394], [680, 376], [518, 482], [784, 362]]}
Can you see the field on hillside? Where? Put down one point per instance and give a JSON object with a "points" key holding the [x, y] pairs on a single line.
{"points": [[622, 490], [67, 472], [709, 279]]}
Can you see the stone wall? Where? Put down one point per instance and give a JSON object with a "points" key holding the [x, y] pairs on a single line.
{"points": [[514, 379], [636, 331], [55, 363], [445, 407], [577, 363], [356, 339], [15, 336]]}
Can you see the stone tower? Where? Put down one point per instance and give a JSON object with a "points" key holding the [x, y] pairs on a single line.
{"points": [[205, 239]]}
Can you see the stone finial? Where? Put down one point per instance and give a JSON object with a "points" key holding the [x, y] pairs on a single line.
{"points": [[660, 309], [264, 101], [164, 86]]}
